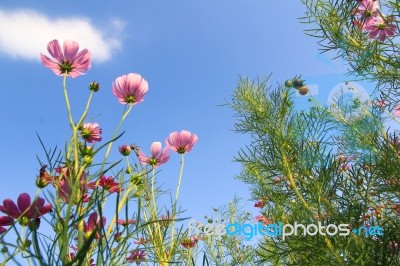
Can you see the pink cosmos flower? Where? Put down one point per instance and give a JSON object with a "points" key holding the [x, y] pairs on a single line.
{"points": [[137, 256], [157, 158], [91, 132], [396, 111], [367, 8], [108, 183], [69, 61], [94, 225], [381, 28], [130, 89], [181, 142], [25, 210]]}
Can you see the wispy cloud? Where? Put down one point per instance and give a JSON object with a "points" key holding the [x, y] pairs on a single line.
{"points": [[25, 33]]}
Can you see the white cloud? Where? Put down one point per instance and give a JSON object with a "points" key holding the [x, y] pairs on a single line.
{"points": [[25, 33]]}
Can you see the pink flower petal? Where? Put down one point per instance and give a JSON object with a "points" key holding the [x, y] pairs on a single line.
{"points": [[24, 202], [70, 50], [144, 160], [54, 50], [155, 149], [10, 208], [6, 220]]}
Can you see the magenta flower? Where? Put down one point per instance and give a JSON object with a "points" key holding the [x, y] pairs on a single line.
{"points": [[130, 89], [181, 142], [108, 183], [69, 61], [157, 158], [137, 256], [25, 210], [91, 132], [93, 225], [381, 28]]}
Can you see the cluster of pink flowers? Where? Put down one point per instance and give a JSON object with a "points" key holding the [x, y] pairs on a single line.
{"points": [[180, 142], [63, 183], [370, 19], [129, 89]]}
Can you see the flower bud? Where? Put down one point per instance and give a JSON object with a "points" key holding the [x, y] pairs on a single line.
{"points": [[303, 90], [297, 82], [289, 83], [34, 224], [44, 178], [125, 150], [86, 150], [23, 221], [118, 237], [88, 159], [94, 86]]}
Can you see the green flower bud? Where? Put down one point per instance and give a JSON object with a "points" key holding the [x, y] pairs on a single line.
{"points": [[94, 86], [289, 83]]}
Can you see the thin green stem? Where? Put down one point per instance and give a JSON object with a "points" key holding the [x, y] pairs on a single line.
{"points": [[180, 179], [124, 115], [86, 109], [152, 191], [176, 201], [71, 121]]}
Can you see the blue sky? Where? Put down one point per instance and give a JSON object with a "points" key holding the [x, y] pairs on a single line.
{"points": [[190, 52]]}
